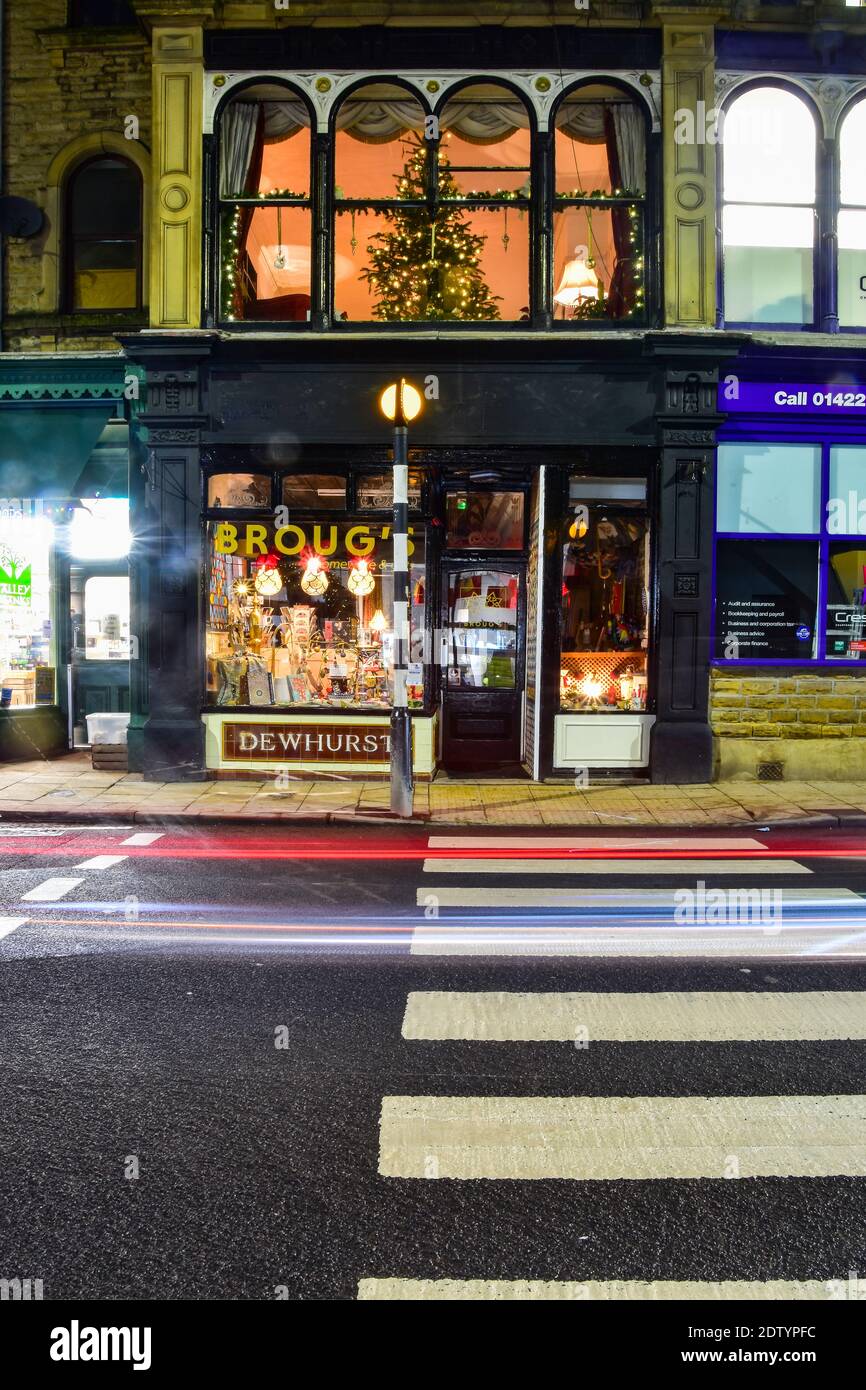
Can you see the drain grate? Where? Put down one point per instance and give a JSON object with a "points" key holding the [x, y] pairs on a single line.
{"points": [[771, 772]]}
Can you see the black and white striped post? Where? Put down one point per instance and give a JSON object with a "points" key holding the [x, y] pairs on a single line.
{"points": [[401, 403]]}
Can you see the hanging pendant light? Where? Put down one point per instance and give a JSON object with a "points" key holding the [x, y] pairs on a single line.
{"points": [[361, 582], [314, 580]]}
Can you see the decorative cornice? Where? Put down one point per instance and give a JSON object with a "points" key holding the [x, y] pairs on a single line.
{"points": [[541, 89]]}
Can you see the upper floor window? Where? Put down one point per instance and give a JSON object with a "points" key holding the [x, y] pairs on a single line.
{"points": [[768, 208], [100, 14], [431, 207], [104, 229], [851, 226], [264, 191], [600, 164]]}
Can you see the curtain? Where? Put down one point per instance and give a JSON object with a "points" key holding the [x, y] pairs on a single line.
{"points": [[623, 158], [242, 146], [583, 121]]}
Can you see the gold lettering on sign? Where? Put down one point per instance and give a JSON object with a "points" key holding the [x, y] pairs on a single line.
{"points": [[280, 741]]}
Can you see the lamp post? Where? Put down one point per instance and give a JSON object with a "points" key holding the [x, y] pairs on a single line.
{"points": [[401, 403]]}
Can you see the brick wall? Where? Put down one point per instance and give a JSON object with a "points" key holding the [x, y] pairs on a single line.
{"points": [[774, 703], [59, 85]]}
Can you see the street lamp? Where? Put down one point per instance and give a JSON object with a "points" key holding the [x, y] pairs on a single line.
{"points": [[401, 403]]}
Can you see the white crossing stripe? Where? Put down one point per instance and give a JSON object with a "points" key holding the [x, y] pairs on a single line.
{"points": [[528, 1290], [466, 896], [592, 842], [51, 890], [695, 868], [102, 861], [144, 837], [688, 943], [10, 924], [636, 1137], [680, 1016]]}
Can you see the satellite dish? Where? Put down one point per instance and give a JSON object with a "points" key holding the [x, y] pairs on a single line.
{"points": [[19, 217]]}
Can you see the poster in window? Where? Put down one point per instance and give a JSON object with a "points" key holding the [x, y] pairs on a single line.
{"points": [[766, 599]]}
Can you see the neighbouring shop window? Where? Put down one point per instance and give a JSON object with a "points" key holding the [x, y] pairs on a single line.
{"points": [[106, 618], [600, 152], [265, 209], [315, 492], [851, 227], [768, 212], [482, 632], [301, 615], [769, 488], [103, 235], [780, 551], [238, 490], [99, 529], [485, 520], [605, 597], [26, 540]]}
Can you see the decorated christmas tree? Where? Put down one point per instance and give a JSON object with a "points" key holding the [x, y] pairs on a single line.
{"points": [[427, 267]]}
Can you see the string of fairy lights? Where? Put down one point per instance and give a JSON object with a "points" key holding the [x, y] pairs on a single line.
{"points": [[446, 282]]}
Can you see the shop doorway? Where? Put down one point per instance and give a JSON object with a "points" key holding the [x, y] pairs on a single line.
{"points": [[484, 647]]}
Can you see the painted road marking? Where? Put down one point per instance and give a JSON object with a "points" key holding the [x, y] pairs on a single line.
{"points": [[10, 924], [607, 897], [693, 867], [636, 1137], [51, 890], [592, 842], [455, 1290], [535, 939], [102, 861], [144, 837], [682, 1016]]}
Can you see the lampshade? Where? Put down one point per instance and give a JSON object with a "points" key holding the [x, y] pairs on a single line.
{"points": [[314, 579], [361, 581], [378, 622], [579, 280]]}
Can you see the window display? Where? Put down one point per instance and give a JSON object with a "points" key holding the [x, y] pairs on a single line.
{"points": [[766, 598], [485, 520], [25, 610], [481, 636], [301, 615], [605, 598]]}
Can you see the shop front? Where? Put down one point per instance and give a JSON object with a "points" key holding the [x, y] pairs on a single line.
{"points": [[789, 680], [550, 634], [64, 589]]}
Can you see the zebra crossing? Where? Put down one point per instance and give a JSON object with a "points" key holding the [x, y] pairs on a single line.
{"points": [[471, 906], [670, 1141]]}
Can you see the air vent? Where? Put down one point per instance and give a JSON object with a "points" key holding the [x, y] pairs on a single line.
{"points": [[771, 772]]}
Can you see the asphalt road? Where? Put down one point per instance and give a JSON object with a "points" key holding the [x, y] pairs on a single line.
{"points": [[208, 1035]]}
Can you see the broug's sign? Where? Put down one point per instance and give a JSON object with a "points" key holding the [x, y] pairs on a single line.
{"points": [[252, 539]]}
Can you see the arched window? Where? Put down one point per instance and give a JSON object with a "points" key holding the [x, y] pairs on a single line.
{"points": [[264, 193], [103, 234], [851, 226], [600, 162], [432, 214], [768, 142]]}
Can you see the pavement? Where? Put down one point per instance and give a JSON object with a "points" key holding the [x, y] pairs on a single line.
{"points": [[245, 1066], [69, 789]]}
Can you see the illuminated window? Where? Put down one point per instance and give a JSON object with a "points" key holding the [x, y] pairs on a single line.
{"points": [[600, 153], [852, 218], [106, 618], [26, 538], [264, 190], [768, 214], [100, 529], [103, 235]]}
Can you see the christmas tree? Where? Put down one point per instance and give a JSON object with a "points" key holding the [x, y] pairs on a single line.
{"points": [[427, 266]]}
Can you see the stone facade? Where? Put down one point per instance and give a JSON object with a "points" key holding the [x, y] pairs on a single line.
{"points": [[780, 723], [66, 93]]}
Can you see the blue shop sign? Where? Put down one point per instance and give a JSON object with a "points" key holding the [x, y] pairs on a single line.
{"points": [[790, 398]]}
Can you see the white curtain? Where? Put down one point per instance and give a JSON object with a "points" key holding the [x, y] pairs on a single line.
{"points": [[583, 121], [237, 144], [629, 128]]}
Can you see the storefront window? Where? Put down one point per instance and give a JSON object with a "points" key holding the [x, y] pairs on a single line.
{"points": [[605, 597], [485, 520], [301, 615], [26, 538], [315, 492], [106, 618], [846, 603], [238, 490], [774, 489], [99, 529], [481, 635], [376, 493]]}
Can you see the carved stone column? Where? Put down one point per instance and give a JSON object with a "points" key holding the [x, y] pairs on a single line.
{"points": [[176, 239], [166, 733], [681, 745], [689, 160]]}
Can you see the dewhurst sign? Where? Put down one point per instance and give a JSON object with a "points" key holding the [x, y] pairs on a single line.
{"points": [[790, 398], [278, 742]]}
